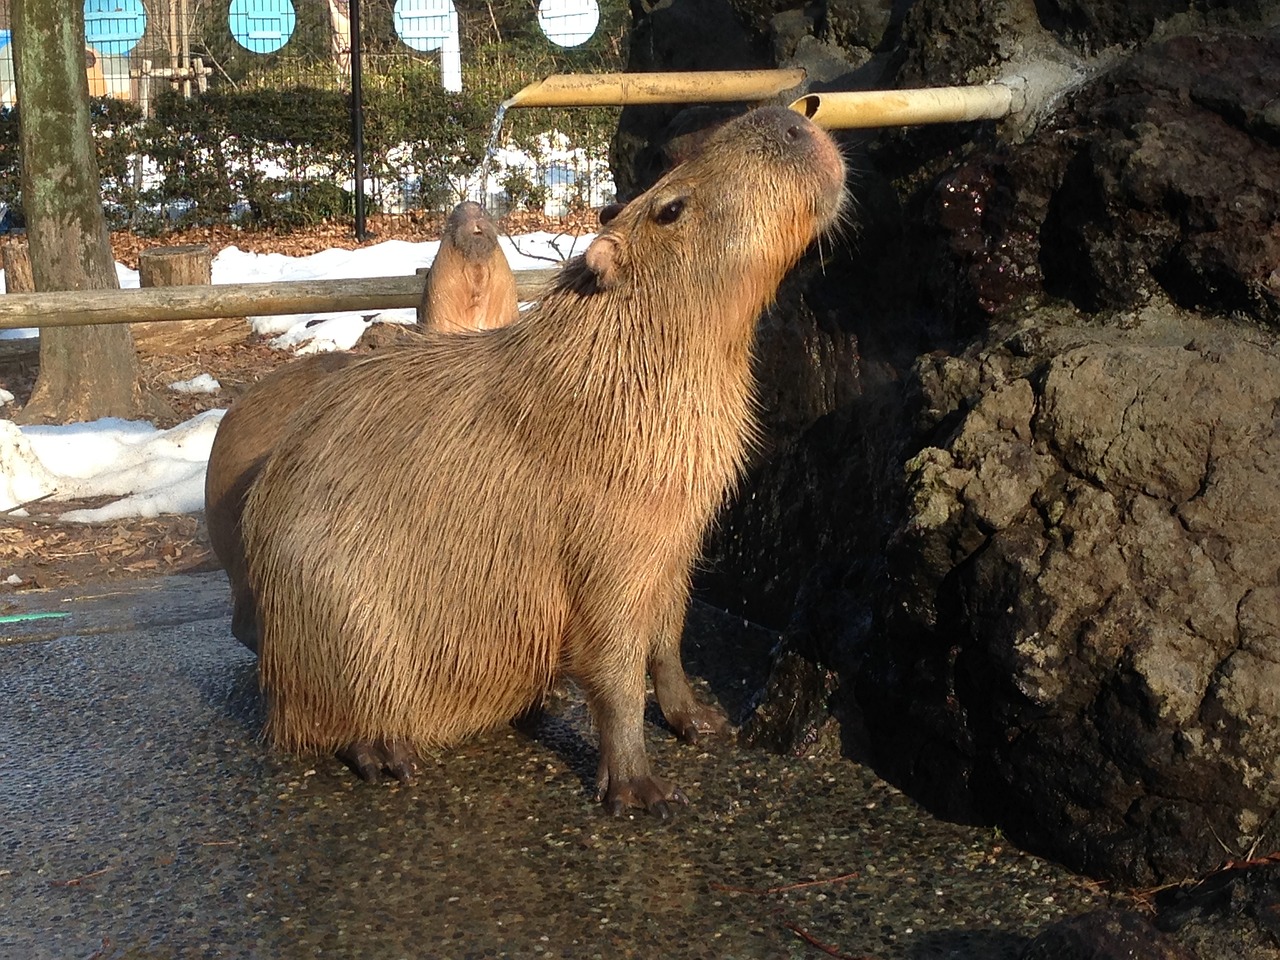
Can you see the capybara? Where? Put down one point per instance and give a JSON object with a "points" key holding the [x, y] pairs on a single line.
{"points": [[246, 436], [470, 285], [468, 519]]}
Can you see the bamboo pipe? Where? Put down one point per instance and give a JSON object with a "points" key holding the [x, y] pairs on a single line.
{"points": [[622, 89], [79, 308], [852, 109]]}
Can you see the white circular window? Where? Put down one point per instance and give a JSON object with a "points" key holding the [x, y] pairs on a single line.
{"points": [[568, 22]]}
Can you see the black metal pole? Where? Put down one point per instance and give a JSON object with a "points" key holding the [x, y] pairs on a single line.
{"points": [[357, 117]]}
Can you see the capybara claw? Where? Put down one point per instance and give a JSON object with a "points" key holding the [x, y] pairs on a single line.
{"points": [[370, 759], [643, 793]]}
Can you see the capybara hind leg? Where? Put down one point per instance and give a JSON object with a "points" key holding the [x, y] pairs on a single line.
{"points": [[689, 718], [369, 759]]}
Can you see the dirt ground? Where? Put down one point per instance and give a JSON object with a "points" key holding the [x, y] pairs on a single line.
{"points": [[42, 551]]}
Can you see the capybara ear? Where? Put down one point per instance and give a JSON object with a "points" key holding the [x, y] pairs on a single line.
{"points": [[609, 212], [602, 259]]}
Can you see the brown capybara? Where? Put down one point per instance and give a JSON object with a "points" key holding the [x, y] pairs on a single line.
{"points": [[470, 285], [246, 436], [468, 519]]}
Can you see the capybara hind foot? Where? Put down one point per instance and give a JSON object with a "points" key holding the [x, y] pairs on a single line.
{"points": [[690, 718], [647, 792], [370, 759], [698, 720]]}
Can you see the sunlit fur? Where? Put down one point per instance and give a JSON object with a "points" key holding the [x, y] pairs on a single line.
{"points": [[470, 285], [246, 436], [461, 521]]}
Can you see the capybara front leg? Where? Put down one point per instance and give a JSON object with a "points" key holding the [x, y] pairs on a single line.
{"points": [[689, 717], [624, 780], [370, 759]]}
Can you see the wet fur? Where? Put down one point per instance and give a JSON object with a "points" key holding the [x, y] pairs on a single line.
{"points": [[470, 287], [462, 521], [246, 436]]}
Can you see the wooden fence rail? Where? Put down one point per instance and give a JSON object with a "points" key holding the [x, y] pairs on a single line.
{"points": [[77, 308]]}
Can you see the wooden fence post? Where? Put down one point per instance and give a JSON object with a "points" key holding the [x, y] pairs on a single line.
{"points": [[17, 265]]}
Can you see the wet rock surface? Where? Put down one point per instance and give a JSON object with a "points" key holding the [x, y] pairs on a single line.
{"points": [[1083, 601], [141, 816], [1159, 177]]}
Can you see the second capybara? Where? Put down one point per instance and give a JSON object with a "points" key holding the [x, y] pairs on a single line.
{"points": [[470, 285], [464, 521]]}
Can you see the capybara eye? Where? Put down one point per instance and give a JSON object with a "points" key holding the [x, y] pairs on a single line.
{"points": [[669, 213]]}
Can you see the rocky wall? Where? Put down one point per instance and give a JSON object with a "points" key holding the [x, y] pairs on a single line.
{"points": [[1015, 509]]}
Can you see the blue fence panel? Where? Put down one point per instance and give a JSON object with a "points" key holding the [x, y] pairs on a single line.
{"points": [[262, 26], [114, 27], [424, 25]]}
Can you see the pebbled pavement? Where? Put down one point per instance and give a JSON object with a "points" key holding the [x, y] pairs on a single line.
{"points": [[141, 817]]}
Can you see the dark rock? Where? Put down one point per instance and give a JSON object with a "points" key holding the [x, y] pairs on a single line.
{"points": [[1137, 208], [1232, 912], [1077, 641], [1094, 24], [963, 41], [1109, 201], [794, 715], [1105, 935]]}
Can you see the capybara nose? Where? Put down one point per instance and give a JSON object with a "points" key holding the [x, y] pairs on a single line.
{"points": [[786, 126]]}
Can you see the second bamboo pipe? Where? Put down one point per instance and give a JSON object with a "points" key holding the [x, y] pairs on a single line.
{"points": [[853, 109]]}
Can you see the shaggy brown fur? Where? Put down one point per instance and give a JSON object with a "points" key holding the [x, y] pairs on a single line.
{"points": [[246, 436], [465, 520], [470, 285]]}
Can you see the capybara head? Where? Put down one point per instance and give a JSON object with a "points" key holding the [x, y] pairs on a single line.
{"points": [[470, 285], [471, 230], [730, 221]]}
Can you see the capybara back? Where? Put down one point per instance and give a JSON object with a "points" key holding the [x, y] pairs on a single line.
{"points": [[249, 431]]}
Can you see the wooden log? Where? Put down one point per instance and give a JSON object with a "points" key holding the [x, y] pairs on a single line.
{"points": [[187, 265], [17, 265], [75, 308]]}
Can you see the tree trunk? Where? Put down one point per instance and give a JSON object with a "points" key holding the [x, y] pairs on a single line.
{"points": [[340, 36], [85, 372]]}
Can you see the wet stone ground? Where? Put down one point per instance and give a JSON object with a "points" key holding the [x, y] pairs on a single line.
{"points": [[140, 816]]}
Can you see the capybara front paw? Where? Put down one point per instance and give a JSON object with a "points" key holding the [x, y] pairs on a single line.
{"points": [[370, 759], [700, 720], [641, 793]]}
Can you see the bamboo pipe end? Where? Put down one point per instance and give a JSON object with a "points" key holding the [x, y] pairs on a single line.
{"points": [[807, 105]]}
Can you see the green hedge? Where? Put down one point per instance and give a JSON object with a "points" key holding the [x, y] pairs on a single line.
{"points": [[269, 145]]}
